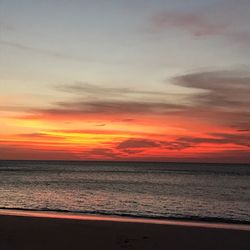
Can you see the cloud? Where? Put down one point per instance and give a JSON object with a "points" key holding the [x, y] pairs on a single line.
{"points": [[237, 139], [101, 152], [223, 95], [118, 108], [100, 125], [133, 146], [142, 144], [217, 138], [195, 23], [128, 120], [43, 52], [227, 19], [138, 143], [185, 142], [133, 151], [86, 89], [244, 130], [114, 107], [222, 88], [92, 100], [175, 145]]}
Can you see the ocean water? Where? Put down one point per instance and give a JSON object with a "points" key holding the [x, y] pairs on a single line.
{"points": [[216, 192]]}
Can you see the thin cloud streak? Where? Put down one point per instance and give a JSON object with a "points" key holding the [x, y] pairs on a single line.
{"points": [[81, 88], [78, 110], [44, 52]]}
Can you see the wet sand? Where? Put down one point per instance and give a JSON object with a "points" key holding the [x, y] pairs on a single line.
{"points": [[31, 231]]}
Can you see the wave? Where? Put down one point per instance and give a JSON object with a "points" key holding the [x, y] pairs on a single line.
{"points": [[131, 215]]}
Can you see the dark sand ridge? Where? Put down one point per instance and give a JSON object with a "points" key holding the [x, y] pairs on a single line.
{"points": [[50, 231]]}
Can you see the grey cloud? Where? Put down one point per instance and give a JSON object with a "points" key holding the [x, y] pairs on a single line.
{"points": [[230, 89], [227, 19], [238, 139], [175, 145], [225, 89], [81, 88], [94, 99], [196, 23], [223, 94], [114, 107], [182, 143], [107, 107], [41, 51], [132, 151], [138, 143], [141, 144], [218, 138]]}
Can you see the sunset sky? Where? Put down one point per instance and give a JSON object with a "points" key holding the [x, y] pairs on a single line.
{"points": [[162, 80]]}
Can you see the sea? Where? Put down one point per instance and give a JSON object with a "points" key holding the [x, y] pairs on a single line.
{"points": [[185, 191]]}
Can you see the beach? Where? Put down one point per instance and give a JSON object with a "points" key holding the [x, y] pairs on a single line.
{"points": [[34, 230]]}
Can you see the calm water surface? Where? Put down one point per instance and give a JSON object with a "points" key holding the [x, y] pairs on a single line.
{"points": [[166, 190]]}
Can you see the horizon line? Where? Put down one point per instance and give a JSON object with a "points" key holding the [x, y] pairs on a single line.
{"points": [[129, 161]]}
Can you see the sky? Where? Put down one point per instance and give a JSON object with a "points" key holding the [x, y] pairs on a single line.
{"points": [[122, 80]]}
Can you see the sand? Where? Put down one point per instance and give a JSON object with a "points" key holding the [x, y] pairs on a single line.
{"points": [[48, 231]]}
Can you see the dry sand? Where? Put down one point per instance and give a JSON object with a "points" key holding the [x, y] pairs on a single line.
{"points": [[46, 231]]}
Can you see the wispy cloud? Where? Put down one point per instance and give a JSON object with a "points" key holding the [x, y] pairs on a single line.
{"points": [[195, 23], [187, 142], [219, 139], [44, 52], [103, 112], [227, 19], [82, 88]]}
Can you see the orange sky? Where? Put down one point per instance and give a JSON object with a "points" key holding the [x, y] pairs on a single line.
{"points": [[166, 82], [112, 132]]}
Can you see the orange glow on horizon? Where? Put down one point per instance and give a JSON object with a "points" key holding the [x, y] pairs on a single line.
{"points": [[101, 144]]}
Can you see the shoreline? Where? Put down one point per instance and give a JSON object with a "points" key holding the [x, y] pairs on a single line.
{"points": [[59, 231], [127, 219]]}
